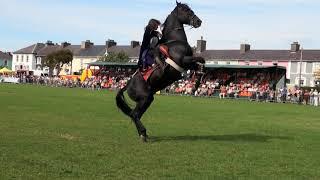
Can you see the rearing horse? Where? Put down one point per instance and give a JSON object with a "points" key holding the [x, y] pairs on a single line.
{"points": [[178, 58]]}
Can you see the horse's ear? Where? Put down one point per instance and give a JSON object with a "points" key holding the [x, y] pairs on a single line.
{"points": [[178, 3]]}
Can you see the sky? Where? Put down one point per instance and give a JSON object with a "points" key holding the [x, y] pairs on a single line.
{"points": [[264, 24]]}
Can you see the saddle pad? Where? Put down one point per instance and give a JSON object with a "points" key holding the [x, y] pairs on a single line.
{"points": [[164, 50], [146, 73]]}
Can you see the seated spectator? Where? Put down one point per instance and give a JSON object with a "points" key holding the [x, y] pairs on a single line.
{"points": [[223, 92]]}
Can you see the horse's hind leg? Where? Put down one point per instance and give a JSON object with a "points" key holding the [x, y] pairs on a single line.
{"points": [[141, 107]]}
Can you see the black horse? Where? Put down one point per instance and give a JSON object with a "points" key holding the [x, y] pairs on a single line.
{"points": [[170, 65]]}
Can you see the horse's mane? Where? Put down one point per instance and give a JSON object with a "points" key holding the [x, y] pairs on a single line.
{"points": [[184, 6]]}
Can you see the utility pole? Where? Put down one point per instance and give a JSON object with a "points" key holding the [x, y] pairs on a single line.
{"points": [[300, 67]]}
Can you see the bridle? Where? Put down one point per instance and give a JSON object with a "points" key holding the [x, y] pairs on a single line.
{"points": [[191, 20]]}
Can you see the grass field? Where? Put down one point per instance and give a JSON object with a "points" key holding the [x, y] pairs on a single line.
{"points": [[57, 133]]}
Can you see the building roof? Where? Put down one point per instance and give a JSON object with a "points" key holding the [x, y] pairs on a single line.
{"points": [[6, 56], [33, 49], [48, 49], [260, 55], [92, 51], [74, 49], [131, 52]]}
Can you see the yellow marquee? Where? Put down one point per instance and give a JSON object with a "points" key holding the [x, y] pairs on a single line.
{"points": [[5, 70]]}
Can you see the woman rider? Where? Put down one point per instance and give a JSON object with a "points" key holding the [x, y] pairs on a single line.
{"points": [[150, 40]]}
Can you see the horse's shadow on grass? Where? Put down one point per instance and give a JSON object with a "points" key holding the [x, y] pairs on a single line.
{"points": [[230, 137]]}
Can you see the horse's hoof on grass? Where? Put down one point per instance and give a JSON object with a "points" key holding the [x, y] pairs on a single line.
{"points": [[143, 138]]}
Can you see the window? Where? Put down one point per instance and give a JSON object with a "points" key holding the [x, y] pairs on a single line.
{"points": [[21, 58], [288, 81], [17, 58], [27, 58], [275, 63], [81, 63], [39, 60], [5, 63], [260, 63], [247, 63], [301, 82], [215, 62], [228, 62], [309, 68], [294, 67]]}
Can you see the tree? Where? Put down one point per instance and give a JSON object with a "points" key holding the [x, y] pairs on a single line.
{"points": [[115, 57], [57, 59]]}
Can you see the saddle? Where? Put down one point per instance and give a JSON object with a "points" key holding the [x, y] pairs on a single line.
{"points": [[146, 73]]}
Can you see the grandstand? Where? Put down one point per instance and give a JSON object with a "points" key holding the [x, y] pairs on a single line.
{"points": [[275, 76], [241, 81]]}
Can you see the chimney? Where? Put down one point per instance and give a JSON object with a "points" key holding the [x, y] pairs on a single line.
{"points": [[244, 48], [65, 44], [49, 43], [110, 43], [134, 44], [295, 47], [86, 44], [201, 45]]}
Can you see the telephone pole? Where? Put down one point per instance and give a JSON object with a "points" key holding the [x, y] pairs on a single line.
{"points": [[300, 67]]}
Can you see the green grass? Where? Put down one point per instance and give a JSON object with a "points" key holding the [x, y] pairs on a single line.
{"points": [[58, 133]]}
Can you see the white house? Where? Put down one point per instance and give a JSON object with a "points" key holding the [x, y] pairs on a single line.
{"points": [[24, 60]]}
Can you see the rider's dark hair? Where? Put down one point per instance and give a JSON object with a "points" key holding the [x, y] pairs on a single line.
{"points": [[153, 23]]}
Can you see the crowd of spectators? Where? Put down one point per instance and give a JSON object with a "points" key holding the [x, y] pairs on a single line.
{"points": [[253, 85], [112, 80], [261, 86], [224, 84]]}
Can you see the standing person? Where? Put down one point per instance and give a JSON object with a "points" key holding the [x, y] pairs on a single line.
{"points": [[150, 40], [311, 97], [316, 97], [306, 97]]}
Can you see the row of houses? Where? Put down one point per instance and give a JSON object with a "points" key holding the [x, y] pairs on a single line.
{"points": [[29, 58]]}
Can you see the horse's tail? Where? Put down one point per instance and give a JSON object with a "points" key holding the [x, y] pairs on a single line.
{"points": [[121, 102]]}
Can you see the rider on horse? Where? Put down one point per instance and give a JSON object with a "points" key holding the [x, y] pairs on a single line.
{"points": [[150, 41]]}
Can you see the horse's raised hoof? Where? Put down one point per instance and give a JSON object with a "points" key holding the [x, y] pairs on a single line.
{"points": [[143, 138]]}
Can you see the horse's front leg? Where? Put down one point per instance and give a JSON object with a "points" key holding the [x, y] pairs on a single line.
{"points": [[199, 64], [198, 79], [194, 63]]}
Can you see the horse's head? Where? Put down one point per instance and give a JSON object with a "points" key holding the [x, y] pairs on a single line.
{"points": [[186, 15]]}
